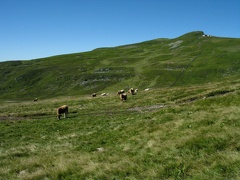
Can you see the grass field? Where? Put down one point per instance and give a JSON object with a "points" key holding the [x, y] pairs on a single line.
{"points": [[166, 133], [187, 126]]}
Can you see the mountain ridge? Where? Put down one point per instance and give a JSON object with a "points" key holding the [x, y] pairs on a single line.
{"points": [[182, 61]]}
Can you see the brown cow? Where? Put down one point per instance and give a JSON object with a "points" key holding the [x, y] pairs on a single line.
{"points": [[132, 91], [120, 92], [123, 97], [62, 110], [36, 99]]}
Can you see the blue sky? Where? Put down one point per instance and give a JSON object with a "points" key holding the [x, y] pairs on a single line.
{"points": [[33, 29]]}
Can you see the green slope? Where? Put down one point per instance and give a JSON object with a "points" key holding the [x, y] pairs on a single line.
{"points": [[186, 127], [186, 60], [187, 133]]}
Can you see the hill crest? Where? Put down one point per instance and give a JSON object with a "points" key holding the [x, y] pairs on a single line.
{"points": [[182, 61]]}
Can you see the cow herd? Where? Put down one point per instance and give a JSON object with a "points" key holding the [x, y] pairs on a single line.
{"points": [[121, 93]]}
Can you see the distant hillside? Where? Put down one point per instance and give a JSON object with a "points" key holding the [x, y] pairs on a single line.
{"points": [[186, 60]]}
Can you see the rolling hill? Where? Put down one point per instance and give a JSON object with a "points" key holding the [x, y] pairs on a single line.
{"points": [[186, 60], [185, 127]]}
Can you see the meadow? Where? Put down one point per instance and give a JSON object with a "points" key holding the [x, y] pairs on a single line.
{"points": [[185, 127], [164, 133]]}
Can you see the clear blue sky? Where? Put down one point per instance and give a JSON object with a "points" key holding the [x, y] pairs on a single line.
{"points": [[33, 29]]}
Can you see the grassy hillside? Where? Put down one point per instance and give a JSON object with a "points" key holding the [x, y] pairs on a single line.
{"points": [[186, 60], [167, 133], [185, 127]]}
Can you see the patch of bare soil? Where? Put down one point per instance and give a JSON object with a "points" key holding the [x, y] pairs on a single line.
{"points": [[147, 108], [5, 118]]}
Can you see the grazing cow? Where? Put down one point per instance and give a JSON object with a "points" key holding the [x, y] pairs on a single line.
{"points": [[123, 97], [120, 92], [62, 110], [94, 95], [132, 91], [36, 99]]}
